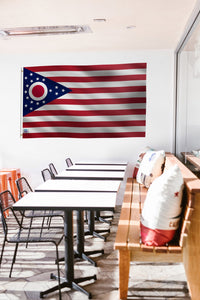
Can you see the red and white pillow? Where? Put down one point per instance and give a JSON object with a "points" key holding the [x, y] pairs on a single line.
{"points": [[151, 167], [139, 160], [162, 208]]}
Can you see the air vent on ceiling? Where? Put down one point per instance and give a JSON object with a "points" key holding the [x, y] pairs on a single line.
{"points": [[45, 30]]}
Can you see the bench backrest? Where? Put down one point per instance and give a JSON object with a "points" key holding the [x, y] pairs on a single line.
{"points": [[128, 234], [191, 189]]}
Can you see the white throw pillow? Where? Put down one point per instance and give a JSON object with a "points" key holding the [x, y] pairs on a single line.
{"points": [[151, 167], [162, 208]]}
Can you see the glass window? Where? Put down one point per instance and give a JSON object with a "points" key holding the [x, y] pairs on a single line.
{"points": [[188, 93]]}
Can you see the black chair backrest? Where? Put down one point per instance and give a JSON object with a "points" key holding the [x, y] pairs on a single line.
{"points": [[23, 186], [6, 207], [69, 162], [53, 169], [46, 174]]}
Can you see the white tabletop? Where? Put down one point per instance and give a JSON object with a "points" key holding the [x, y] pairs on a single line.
{"points": [[91, 174], [101, 163], [67, 201], [97, 167], [79, 185]]}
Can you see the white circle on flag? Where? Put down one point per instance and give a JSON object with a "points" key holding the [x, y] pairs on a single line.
{"points": [[38, 91]]}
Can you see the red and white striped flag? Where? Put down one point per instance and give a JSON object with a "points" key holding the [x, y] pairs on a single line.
{"points": [[97, 101]]}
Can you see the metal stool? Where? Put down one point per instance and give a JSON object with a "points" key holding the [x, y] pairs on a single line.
{"points": [[15, 174]]}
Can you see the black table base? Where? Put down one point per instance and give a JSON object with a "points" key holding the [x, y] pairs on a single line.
{"points": [[81, 253], [85, 256], [100, 218], [91, 227], [69, 281], [73, 285]]}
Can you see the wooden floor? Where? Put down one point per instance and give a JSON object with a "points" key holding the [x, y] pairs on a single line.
{"points": [[34, 264]]}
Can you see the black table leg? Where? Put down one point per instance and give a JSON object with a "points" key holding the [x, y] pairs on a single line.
{"points": [[81, 253], [69, 280], [91, 229]]}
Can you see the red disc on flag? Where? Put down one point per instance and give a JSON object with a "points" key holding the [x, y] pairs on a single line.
{"points": [[38, 91]]}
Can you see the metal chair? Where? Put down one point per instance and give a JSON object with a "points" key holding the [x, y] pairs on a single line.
{"points": [[24, 187], [22, 233], [53, 169], [47, 174], [69, 162]]}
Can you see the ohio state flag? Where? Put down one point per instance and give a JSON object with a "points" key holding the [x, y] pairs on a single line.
{"points": [[94, 101]]}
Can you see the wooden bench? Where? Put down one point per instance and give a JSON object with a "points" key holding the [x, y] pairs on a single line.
{"points": [[185, 248]]}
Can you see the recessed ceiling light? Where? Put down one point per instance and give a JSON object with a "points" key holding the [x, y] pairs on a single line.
{"points": [[130, 27], [44, 30], [99, 20]]}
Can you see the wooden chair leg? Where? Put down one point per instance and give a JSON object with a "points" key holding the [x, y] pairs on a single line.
{"points": [[124, 265]]}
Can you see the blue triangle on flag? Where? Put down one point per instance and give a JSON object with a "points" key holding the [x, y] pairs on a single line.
{"points": [[39, 90]]}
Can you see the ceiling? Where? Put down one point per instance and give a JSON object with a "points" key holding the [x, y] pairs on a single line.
{"points": [[157, 24]]}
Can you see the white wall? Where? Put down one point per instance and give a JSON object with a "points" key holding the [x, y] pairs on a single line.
{"points": [[32, 155]]}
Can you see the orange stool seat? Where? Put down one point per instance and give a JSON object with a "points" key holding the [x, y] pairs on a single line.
{"points": [[15, 174]]}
